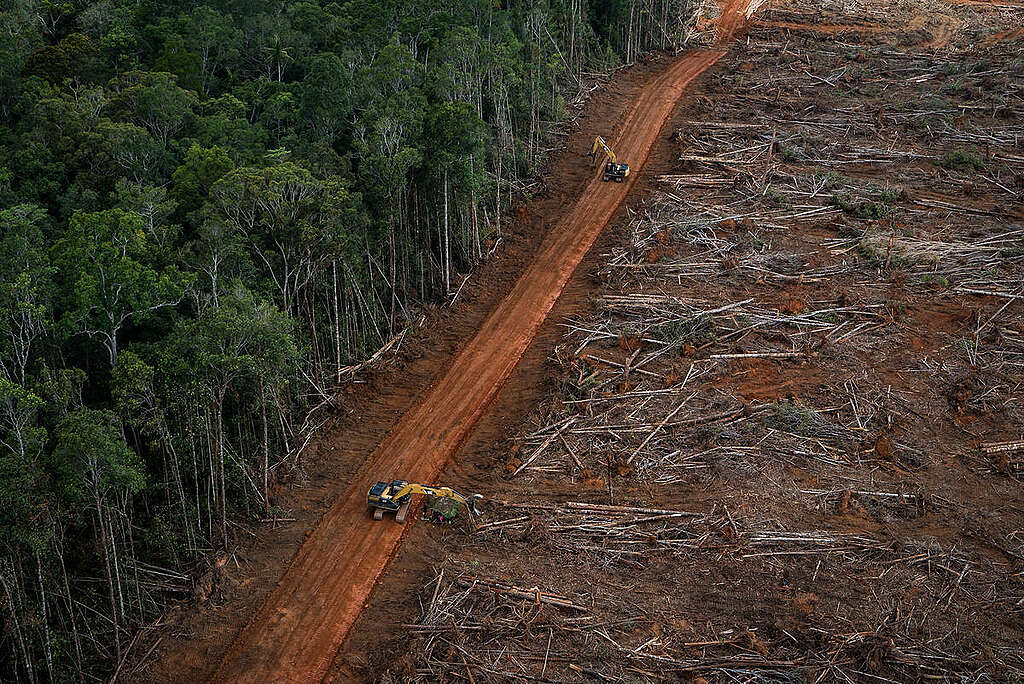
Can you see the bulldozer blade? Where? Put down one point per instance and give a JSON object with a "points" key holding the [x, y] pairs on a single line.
{"points": [[403, 511]]}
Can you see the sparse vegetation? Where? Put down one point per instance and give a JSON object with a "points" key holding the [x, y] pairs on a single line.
{"points": [[792, 417], [930, 279], [774, 198], [962, 160], [791, 153], [859, 209]]}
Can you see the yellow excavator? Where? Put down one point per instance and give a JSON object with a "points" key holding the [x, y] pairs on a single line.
{"points": [[397, 496], [613, 170]]}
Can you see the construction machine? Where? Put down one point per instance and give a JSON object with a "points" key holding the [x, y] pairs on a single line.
{"points": [[397, 496], [613, 170]]}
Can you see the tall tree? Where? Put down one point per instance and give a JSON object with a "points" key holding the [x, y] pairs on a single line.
{"points": [[93, 464], [107, 280], [293, 223], [241, 343], [155, 102], [25, 288]]}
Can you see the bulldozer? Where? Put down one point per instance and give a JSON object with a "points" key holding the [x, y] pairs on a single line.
{"points": [[396, 496], [613, 170]]}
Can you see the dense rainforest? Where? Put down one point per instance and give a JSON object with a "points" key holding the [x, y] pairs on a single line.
{"points": [[207, 209]]}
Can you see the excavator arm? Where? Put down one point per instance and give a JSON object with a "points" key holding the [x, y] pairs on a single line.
{"points": [[431, 490], [599, 143], [613, 170]]}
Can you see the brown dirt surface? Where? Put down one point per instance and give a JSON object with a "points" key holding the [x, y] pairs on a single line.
{"points": [[990, 4], [733, 19], [822, 28], [1006, 35]]}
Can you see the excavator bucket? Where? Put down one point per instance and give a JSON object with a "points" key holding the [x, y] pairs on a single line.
{"points": [[440, 506]]}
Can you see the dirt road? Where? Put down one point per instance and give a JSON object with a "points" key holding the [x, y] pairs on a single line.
{"points": [[296, 633], [735, 14]]}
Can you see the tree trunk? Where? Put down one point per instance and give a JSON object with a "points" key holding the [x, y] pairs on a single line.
{"points": [[266, 450], [9, 589], [71, 612], [220, 460], [109, 573], [46, 618], [337, 327], [446, 264]]}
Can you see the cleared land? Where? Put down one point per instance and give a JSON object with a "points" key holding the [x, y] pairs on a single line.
{"points": [[785, 443]]}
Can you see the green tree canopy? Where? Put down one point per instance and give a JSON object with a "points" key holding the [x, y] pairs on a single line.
{"points": [[293, 222], [26, 288], [107, 280], [91, 460]]}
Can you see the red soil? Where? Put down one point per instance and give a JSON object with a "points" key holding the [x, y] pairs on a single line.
{"points": [[1001, 36], [734, 17]]}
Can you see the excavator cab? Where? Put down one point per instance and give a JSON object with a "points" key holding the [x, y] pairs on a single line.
{"points": [[613, 170], [381, 495]]}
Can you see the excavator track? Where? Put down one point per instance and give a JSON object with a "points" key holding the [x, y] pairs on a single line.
{"points": [[403, 511]]}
